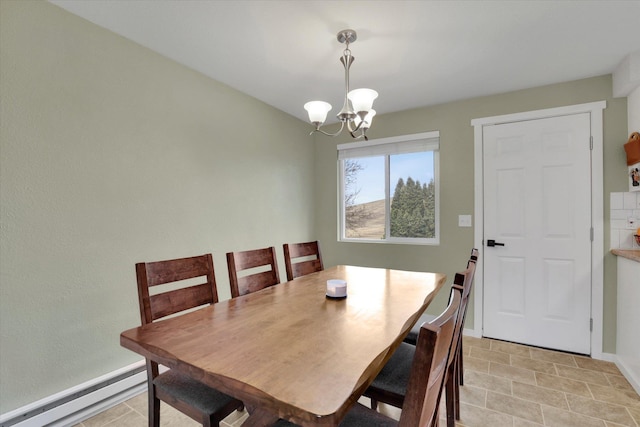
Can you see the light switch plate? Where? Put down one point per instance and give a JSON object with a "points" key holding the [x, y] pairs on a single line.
{"points": [[464, 220]]}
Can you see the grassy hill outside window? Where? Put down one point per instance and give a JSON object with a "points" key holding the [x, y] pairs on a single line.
{"points": [[389, 190]]}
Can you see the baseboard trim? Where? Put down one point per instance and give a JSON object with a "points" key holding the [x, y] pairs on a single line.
{"points": [[633, 376], [78, 403], [472, 333]]}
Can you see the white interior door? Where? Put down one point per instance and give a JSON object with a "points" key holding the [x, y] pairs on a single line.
{"points": [[537, 203]]}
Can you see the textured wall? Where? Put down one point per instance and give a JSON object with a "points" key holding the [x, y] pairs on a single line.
{"points": [[111, 155], [633, 113]]}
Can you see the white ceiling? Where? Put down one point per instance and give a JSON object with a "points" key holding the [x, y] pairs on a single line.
{"points": [[414, 53]]}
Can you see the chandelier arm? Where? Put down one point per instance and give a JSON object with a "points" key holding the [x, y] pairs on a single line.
{"points": [[327, 133], [363, 131], [359, 124]]}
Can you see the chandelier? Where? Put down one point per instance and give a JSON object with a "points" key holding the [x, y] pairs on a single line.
{"points": [[357, 112]]}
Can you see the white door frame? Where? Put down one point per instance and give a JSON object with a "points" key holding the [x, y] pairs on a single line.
{"points": [[597, 215]]}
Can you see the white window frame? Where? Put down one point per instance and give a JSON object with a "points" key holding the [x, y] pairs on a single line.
{"points": [[419, 142]]}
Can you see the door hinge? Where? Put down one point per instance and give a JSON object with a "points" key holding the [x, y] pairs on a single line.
{"points": [[591, 325], [591, 234], [591, 143]]}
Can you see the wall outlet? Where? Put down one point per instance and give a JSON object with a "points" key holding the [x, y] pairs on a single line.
{"points": [[464, 220], [632, 223]]}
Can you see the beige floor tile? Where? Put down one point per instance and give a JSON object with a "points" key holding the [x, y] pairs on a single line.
{"points": [[553, 357], [487, 399], [390, 411], [472, 416], [606, 411], [130, 419], [233, 417], [615, 396], [492, 356], [534, 365], [554, 417], [597, 365], [540, 395], [139, 403], [170, 417], [473, 363], [105, 417], [519, 422], [618, 381], [610, 424], [512, 373], [473, 396], [588, 376], [511, 348], [468, 342], [635, 414], [236, 423], [486, 381], [525, 409], [563, 384]]}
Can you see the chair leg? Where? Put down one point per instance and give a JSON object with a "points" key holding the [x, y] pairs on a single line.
{"points": [[456, 391], [450, 391], [154, 408], [459, 362], [210, 421], [374, 404]]}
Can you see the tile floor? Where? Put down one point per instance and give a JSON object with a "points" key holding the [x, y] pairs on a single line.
{"points": [[506, 384]]}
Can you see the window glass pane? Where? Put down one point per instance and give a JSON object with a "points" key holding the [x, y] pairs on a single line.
{"points": [[364, 197], [412, 192]]}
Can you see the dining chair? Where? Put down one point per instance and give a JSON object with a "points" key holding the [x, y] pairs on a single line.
{"points": [[311, 263], [390, 386], [460, 352], [253, 264], [190, 396], [412, 336], [427, 367]]}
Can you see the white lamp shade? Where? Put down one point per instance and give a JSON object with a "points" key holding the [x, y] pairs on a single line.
{"points": [[317, 111], [367, 120], [362, 99]]}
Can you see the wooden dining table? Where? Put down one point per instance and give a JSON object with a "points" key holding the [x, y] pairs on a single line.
{"points": [[289, 351]]}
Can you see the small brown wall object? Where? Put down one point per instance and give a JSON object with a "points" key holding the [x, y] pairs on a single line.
{"points": [[632, 147]]}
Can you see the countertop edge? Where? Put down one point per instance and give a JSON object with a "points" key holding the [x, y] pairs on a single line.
{"points": [[632, 254]]}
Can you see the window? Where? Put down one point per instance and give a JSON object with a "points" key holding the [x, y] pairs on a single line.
{"points": [[389, 190]]}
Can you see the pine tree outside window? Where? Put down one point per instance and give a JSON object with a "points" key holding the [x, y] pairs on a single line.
{"points": [[389, 190]]}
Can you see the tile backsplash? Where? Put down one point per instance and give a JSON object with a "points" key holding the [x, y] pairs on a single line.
{"points": [[625, 209]]}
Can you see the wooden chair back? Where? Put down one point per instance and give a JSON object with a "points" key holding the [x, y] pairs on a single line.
{"points": [[465, 281], [200, 402], [455, 367], [429, 367], [239, 262], [308, 250], [162, 304]]}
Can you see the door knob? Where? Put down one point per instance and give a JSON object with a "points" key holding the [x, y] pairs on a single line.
{"points": [[492, 243]]}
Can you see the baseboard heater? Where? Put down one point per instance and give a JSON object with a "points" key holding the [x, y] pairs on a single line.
{"points": [[78, 403]]}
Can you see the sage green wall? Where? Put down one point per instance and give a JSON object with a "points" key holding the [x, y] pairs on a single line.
{"points": [[453, 120], [111, 155]]}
